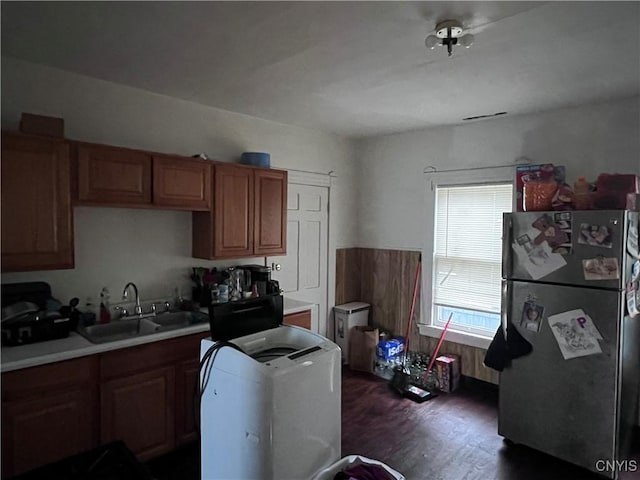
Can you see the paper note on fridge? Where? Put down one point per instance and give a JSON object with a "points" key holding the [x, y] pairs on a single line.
{"points": [[538, 260], [576, 334]]}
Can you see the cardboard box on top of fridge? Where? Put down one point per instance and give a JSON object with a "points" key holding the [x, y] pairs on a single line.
{"points": [[448, 372], [391, 348]]}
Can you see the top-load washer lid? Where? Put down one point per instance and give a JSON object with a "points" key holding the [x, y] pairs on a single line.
{"points": [[283, 345], [231, 320]]}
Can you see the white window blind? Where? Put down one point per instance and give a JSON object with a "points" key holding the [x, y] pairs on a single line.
{"points": [[468, 246]]}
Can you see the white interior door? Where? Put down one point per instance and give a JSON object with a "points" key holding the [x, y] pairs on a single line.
{"points": [[303, 271]]}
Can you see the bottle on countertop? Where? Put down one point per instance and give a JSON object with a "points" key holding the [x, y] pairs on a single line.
{"points": [[215, 293], [223, 293], [105, 313], [582, 193], [177, 297], [88, 316]]}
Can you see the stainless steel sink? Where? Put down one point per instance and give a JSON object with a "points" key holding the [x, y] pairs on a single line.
{"points": [[134, 327], [118, 330], [171, 320]]}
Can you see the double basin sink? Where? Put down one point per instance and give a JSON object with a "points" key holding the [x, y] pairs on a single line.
{"points": [[136, 327]]}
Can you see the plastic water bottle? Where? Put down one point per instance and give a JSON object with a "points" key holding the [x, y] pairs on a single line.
{"points": [[583, 196], [224, 293], [215, 293]]}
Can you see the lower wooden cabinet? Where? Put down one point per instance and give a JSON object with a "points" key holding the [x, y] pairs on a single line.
{"points": [[143, 395], [139, 410], [147, 395], [48, 413], [300, 319], [186, 410]]}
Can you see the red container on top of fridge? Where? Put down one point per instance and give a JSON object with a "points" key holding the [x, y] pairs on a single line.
{"points": [[612, 191]]}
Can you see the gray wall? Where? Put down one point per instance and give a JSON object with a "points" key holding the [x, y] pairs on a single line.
{"points": [[588, 140]]}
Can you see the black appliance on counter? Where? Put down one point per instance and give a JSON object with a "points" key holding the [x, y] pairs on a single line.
{"points": [[243, 317], [261, 276], [30, 314]]}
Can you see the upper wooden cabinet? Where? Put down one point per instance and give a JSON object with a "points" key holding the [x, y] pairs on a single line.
{"points": [[181, 182], [37, 225], [248, 217], [270, 221], [113, 175], [122, 177], [233, 212]]}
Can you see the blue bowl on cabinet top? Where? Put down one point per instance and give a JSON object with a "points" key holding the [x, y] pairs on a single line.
{"points": [[257, 159]]}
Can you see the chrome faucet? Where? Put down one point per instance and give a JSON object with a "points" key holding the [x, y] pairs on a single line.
{"points": [[138, 308]]}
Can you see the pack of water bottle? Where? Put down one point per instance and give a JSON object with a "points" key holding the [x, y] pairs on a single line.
{"points": [[416, 363]]}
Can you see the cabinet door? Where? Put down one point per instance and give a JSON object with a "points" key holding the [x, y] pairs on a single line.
{"points": [[186, 384], [45, 429], [139, 409], [270, 212], [113, 176], [49, 412], [233, 218], [300, 319], [181, 183], [37, 226]]}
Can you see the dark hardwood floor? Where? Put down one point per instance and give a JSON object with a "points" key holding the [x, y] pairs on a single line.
{"points": [[452, 437]]}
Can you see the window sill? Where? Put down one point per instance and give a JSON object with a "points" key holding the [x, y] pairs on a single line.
{"points": [[455, 336]]}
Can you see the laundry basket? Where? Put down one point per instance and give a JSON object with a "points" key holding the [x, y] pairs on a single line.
{"points": [[350, 461]]}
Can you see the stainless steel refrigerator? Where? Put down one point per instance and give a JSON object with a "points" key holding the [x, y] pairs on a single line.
{"points": [[565, 277]]}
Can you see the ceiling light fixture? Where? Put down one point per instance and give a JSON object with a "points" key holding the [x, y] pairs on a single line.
{"points": [[449, 33]]}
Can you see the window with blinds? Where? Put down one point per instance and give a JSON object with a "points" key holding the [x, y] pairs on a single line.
{"points": [[468, 255]]}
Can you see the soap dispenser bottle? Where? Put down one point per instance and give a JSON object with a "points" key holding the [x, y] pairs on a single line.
{"points": [[105, 313]]}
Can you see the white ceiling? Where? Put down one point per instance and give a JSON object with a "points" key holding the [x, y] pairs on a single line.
{"points": [[350, 68]]}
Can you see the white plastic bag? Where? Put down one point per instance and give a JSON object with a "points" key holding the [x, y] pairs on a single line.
{"points": [[349, 461]]}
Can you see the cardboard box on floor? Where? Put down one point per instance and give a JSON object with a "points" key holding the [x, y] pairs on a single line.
{"points": [[448, 372], [363, 341]]}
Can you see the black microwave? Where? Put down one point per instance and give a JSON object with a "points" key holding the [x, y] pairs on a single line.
{"points": [[243, 317]]}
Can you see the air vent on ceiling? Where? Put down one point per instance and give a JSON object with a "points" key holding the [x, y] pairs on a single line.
{"points": [[477, 117]]}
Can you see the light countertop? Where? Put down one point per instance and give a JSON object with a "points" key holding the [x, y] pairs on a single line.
{"points": [[292, 305], [75, 345]]}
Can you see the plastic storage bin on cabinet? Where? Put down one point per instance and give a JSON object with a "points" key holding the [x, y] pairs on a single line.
{"points": [[348, 316]]}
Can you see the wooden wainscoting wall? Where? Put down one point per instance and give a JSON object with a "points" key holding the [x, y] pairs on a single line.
{"points": [[384, 279], [348, 275]]}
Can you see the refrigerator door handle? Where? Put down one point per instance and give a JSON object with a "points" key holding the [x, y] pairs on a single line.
{"points": [[507, 224], [506, 306]]}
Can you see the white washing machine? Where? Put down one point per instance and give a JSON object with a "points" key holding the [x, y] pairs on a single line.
{"points": [[271, 411]]}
